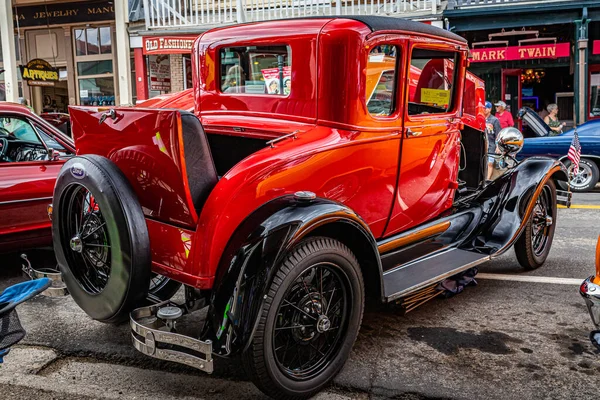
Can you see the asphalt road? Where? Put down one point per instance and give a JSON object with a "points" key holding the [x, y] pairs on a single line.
{"points": [[498, 340]]}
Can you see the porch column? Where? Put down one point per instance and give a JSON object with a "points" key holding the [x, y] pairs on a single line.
{"points": [[123, 61], [141, 74], [581, 70], [9, 57]]}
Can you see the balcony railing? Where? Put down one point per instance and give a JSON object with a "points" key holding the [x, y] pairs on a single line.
{"points": [[164, 14], [454, 4]]}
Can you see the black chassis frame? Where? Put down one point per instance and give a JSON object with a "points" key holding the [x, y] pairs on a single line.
{"points": [[485, 226]]}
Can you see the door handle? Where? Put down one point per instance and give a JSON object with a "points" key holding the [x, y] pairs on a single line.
{"points": [[411, 133]]}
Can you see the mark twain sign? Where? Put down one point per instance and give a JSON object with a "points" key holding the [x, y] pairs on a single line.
{"points": [[516, 53], [64, 13]]}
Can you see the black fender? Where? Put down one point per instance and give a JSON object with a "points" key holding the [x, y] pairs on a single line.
{"points": [[508, 202], [257, 247]]}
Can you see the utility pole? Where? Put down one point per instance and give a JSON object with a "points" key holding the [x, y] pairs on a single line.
{"points": [[581, 58], [9, 57]]}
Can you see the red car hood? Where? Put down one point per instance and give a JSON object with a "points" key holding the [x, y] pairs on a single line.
{"points": [[181, 100]]}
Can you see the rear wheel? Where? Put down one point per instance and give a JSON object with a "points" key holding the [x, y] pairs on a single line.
{"points": [[533, 246], [309, 322], [586, 178], [100, 238]]}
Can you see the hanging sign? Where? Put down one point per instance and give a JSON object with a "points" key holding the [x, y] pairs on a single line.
{"points": [[168, 44], [39, 72], [596, 47], [516, 53], [160, 73]]}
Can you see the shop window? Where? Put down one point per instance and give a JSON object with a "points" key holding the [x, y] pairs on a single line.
{"points": [[432, 82], [94, 66], [382, 67], [595, 94], [256, 70], [93, 41]]}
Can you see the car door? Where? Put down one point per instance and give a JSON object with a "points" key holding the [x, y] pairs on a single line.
{"points": [[27, 177], [430, 154]]}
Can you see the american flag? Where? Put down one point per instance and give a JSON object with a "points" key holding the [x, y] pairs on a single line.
{"points": [[575, 153]]}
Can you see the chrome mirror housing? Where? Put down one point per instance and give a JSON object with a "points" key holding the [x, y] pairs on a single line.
{"points": [[509, 141]]}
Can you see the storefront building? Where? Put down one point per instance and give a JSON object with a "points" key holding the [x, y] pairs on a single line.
{"points": [[77, 41], [534, 54], [162, 64]]}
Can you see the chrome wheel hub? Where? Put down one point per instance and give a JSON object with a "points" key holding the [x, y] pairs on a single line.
{"points": [[323, 324], [76, 244]]}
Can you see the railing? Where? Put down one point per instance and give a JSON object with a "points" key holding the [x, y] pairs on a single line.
{"points": [[162, 14], [454, 4]]}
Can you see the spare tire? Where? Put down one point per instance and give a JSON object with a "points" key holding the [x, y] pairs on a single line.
{"points": [[100, 238]]}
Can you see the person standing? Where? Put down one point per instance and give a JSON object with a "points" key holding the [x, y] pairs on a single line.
{"points": [[552, 120], [505, 118], [492, 128]]}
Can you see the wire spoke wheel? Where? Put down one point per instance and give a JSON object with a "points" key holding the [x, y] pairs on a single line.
{"points": [[542, 220], [85, 239], [311, 321]]}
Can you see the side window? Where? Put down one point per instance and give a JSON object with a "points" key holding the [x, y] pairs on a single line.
{"points": [[382, 68], [432, 83], [256, 70], [19, 141]]}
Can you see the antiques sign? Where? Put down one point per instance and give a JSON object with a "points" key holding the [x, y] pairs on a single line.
{"points": [[64, 13], [168, 44], [160, 73], [515, 53], [39, 72]]}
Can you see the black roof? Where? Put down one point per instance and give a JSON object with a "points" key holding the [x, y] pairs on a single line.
{"points": [[378, 23]]}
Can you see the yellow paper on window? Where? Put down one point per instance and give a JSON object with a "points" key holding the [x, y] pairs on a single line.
{"points": [[435, 96]]}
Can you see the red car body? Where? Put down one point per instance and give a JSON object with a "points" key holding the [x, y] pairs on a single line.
{"points": [[26, 188], [228, 195]]}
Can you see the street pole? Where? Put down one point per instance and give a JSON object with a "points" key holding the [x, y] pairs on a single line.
{"points": [[123, 56], [581, 84], [7, 35]]}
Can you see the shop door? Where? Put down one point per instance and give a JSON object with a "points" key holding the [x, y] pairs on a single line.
{"points": [[511, 92]]}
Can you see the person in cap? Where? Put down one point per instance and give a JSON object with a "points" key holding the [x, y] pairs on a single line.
{"points": [[492, 128], [505, 118]]}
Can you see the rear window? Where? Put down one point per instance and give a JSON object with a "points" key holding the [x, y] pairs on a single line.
{"points": [[382, 68], [256, 70]]}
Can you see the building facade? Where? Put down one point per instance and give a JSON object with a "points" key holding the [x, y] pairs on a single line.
{"points": [[534, 53]]}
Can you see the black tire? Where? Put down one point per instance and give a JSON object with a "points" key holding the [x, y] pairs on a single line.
{"points": [[587, 178], [270, 367], [162, 287], [533, 246], [100, 238]]}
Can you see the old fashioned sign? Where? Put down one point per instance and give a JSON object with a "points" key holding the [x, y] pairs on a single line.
{"points": [[515, 53], [168, 44], [39, 72]]}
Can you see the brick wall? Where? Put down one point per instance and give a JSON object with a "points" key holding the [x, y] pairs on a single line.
{"points": [[176, 73]]}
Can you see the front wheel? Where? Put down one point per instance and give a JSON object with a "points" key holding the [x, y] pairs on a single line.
{"points": [[309, 321], [533, 246]]}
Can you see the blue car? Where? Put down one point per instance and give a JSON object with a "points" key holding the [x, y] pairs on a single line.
{"points": [[538, 142]]}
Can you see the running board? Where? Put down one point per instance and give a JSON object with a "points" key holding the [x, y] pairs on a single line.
{"points": [[426, 271]]}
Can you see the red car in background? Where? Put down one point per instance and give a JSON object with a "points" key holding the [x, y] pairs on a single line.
{"points": [[58, 120], [31, 153]]}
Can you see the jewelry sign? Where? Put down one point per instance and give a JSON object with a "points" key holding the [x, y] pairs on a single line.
{"points": [[515, 53], [39, 72]]}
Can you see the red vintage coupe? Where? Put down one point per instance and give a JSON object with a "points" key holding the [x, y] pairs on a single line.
{"points": [[327, 161], [32, 153]]}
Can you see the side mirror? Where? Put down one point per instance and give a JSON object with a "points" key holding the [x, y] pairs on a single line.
{"points": [[53, 154], [509, 141]]}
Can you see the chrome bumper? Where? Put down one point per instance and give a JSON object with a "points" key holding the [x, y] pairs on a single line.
{"points": [[563, 197], [152, 337], [591, 294]]}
